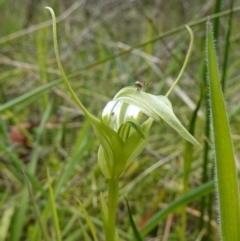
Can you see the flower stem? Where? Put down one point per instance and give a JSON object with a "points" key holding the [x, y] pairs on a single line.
{"points": [[113, 189]]}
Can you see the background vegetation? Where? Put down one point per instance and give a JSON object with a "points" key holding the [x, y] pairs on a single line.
{"points": [[41, 128]]}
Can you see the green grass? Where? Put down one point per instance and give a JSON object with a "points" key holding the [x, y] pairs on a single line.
{"points": [[167, 178]]}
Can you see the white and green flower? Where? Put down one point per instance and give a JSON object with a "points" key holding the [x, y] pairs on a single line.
{"points": [[128, 136], [120, 132]]}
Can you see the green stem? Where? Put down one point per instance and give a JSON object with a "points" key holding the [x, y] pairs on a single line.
{"points": [[113, 189]]}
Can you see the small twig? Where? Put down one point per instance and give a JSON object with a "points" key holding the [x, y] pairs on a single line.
{"points": [[168, 227]]}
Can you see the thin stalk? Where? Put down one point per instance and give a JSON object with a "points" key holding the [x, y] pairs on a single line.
{"points": [[188, 157], [113, 188], [218, 4], [226, 52], [185, 61]]}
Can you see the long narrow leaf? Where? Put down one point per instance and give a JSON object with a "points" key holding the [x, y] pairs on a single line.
{"points": [[88, 219], [29, 95], [104, 212], [19, 216], [5, 222], [226, 174], [36, 211], [134, 228], [54, 209]]}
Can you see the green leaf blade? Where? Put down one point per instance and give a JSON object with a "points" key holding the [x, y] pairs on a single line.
{"points": [[88, 219], [54, 210], [134, 228], [226, 174]]}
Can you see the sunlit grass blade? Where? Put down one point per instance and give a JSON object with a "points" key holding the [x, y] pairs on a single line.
{"points": [[134, 228], [88, 219], [5, 222], [19, 216], [37, 213], [85, 234], [53, 209], [104, 213], [226, 174]]}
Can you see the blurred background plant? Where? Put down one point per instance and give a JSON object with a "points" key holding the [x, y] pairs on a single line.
{"points": [[41, 126]]}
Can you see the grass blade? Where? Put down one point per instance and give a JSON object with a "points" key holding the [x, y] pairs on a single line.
{"points": [[54, 210], [29, 95], [88, 219], [226, 53], [19, 216], [85, 234], [135, 230], [104, 212], [226, 174], [5, 222], [218, 4], [36, 211], [188, 158]]}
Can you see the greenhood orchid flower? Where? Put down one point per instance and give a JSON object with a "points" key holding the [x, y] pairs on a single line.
{"points": [[122, 135], [123, 115], [120, 132]]}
